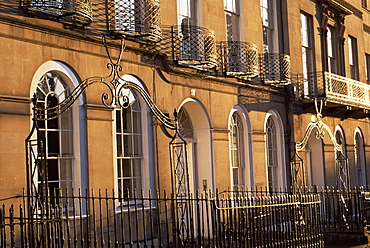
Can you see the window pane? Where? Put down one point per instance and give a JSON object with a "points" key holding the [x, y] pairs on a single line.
{"points": [[65, 169], [119, 145], [137, 145], [136, 116], [53, 143], [128, 146], [119, 168], [126, 166], [53, 169], [136, 165], [118, 121], [66, 149]]}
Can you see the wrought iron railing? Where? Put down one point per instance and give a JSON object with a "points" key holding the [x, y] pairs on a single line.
{"points": [[79, 11], [309, 85], [238, 58], [138, 19], [275, 68], [191, 46], [342, 89], [335, 88], [106, 219], [336, 217]]}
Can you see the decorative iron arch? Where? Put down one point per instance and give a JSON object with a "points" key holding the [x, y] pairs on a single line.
{"points": [[38, 195], [341, 162]]}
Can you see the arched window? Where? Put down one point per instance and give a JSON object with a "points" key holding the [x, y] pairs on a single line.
{"points": [[272, 153], [58, 133], [129, 145], [275, 156], [237, 152], [360, 159], [134, 163]]}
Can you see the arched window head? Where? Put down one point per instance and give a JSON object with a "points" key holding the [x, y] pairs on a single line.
{"points": [[339, 138], [185, 125], [58, 133], [237, 152]]}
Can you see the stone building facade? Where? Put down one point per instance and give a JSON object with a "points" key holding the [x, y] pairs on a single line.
{"points": [[243, 76]]}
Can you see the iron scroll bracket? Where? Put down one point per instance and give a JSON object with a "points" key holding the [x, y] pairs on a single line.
{"points": [[114, 97]]}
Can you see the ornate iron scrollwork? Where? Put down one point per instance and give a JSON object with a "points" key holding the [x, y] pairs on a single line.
{"points": [[114, 97], [321, 127]]}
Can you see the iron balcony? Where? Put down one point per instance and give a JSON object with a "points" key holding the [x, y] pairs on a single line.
{"points": [[275, 68], [75, 11], [344, 96], [191, 46], [238, 59], [139, 20]]}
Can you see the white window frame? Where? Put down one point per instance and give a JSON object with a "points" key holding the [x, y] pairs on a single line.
{"points": [[269, 26], [147, 168], [79, 163], [187, 9], [279, 167], [243, 149], [332, 50], [232, 9], [353, 57], [360, 162], [307, 50], [367, 67]]}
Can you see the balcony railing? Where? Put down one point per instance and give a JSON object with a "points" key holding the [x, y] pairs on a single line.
{"points": [[79, 11], [191, 46], [238, 58], [275, 68], [335, 88], [135, 19], [342, 89]]}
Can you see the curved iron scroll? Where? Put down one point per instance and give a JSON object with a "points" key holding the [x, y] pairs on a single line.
{"points": [[115, 96], [316, 122]]}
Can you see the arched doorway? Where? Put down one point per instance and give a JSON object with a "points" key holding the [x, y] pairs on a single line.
{"points": [[195, 128]]}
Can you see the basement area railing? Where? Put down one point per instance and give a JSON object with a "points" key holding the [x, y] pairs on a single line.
{"points": [[155, 219]]}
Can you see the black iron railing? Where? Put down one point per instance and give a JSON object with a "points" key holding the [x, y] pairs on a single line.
{"points": [[79, 11], [275, 68], [191, 46], [135, 19], [309, 85], [106, 219], [238, 58], [341, 210]]}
